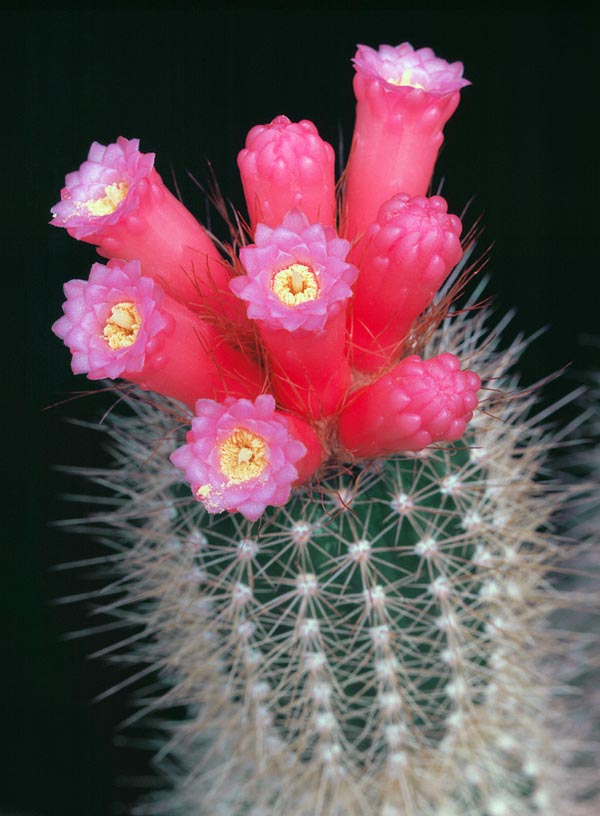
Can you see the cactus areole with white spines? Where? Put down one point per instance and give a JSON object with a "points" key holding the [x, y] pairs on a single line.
{"points": [[341, 556]]}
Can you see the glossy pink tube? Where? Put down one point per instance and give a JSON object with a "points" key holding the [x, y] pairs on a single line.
{"points": [[297, 288], [118, 202], [404, 99], [120, 324]]}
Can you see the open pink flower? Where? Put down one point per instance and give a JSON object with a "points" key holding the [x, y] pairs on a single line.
{"points": [[241, 455], [120, 323], [297, 275], [297, 287], [118, 202], [404, 99], [287, 165], [403, 68], [113, 321], [104, 189]]}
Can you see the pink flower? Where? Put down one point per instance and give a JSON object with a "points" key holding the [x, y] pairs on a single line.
{"points": [[297, 275], [417, 403], [403, 68], [113, 321], [297, 288], [287, 165], [104, 189], [241, 455], [120, 323], [404, 257], [404, 99], [118, 202]]}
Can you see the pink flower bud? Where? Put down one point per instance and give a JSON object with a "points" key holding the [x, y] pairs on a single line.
{"points": [[404, 257], [418, 402], [118, 202], [297, 287], [120, 323], [243, 455], [286, 165], [404, 99]]}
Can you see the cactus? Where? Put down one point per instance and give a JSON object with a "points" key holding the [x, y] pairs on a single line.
{"points": [[364, 630]]}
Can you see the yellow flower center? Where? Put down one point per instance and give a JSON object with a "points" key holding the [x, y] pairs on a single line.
{"points": [[295, 284], [122, 327], [243, 456], [405, 79], [115, 193]]}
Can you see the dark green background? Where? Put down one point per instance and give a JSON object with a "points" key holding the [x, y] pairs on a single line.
{"points": [[190, 81]]}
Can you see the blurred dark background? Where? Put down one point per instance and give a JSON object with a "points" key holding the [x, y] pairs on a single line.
{"points": [[190, 80]]}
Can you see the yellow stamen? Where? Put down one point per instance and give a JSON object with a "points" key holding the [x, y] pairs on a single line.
{"points": [[204, 491], [115, 193], [243, 456], [122, 327], [295, 284], [405, 79]]}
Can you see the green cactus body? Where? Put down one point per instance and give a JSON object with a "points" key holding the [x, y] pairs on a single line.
{"points": [[377, 646]]}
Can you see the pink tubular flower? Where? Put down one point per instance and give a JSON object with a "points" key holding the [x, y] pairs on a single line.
{"points": [[120, 323], [297, 275], [118, 202], [243, 455], [105, 189], [418, 402], [297, 287], [404, 99], [286, 165], [404, 257]]}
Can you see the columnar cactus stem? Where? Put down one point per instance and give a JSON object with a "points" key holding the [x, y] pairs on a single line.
{"points": [[374, 646]]}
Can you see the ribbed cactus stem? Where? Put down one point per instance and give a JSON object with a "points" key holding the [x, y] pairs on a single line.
{"points": [[376, 646]]}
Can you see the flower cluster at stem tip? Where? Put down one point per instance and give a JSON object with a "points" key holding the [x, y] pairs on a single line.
{"points": [[296, 353]]}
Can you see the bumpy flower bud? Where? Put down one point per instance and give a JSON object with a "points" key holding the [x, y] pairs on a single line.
{"points": [[417, 403], [287, 165], [404, 257]]}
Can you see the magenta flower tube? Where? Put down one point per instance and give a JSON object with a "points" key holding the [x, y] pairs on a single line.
{"points": [[297, 286], [417, 403], [243, 456], [404, 99], [286, 165], [404, 257], [118, 202], [120, 323]]}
